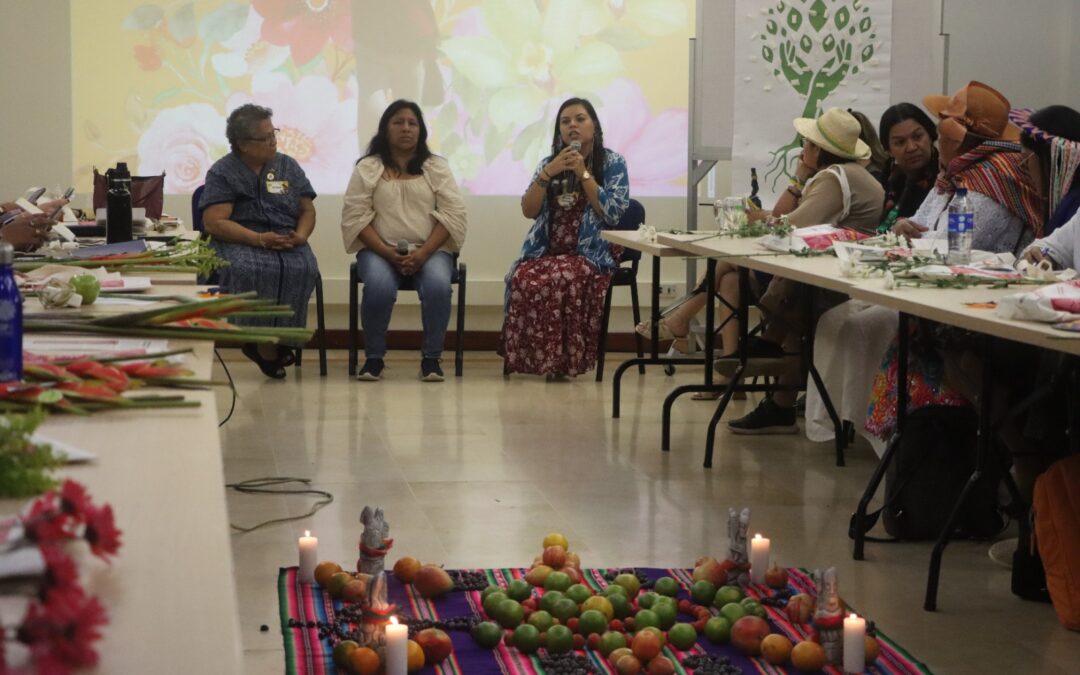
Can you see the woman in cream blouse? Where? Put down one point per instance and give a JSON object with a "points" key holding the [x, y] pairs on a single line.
{"points": [[403, 216]]}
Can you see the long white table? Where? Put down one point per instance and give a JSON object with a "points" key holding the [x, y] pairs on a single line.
{"points": [[169, 594]]}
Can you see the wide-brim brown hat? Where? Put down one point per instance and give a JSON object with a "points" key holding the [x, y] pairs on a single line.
{"points": [[836, 131], [980, 108]]}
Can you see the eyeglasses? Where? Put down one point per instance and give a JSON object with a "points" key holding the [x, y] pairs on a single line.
{"points": [[265, 139]]}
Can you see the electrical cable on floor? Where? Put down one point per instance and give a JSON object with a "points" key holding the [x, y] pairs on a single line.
{"points": [[263, 486], [232, 387]]}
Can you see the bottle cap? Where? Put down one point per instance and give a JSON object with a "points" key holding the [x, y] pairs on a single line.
{"points": [[7, 253], [961, 192]]}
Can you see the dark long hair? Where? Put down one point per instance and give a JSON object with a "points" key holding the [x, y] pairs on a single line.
{"points": [[1056, 120], [901, 112], [599, 153], [380, 142]]}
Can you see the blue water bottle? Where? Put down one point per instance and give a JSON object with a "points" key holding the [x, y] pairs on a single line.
{"points": [[10, 318], [961, 224]]}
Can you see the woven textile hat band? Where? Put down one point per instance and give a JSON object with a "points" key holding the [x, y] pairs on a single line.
{"points": [[836, 131]]}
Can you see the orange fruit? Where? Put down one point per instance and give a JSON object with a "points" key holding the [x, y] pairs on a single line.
{"points": [[556, 539], [325, 570], [416, 657], [776, 649], [808, 656], [364, 660], [872, 648]]}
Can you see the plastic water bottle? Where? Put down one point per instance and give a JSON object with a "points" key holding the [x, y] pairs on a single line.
{"points": [[118, 205], [10, 318], [961, 224]]}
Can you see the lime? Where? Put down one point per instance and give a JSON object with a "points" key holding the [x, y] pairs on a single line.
{"points": [[557, 581], [646, 600], [645, 618], [703, 592], [629, 582], [666, 612], [492, 601], [718, 630], [487, 634], [548, 600], [579, 593], [619, 605], [526, 637], [615, 588], [610, 641], [592, 621], [600, 604], [342, 650], [560, 639], [542, 620], [519, 590], [733, 611], [753, 607], [564, 609], [509, 613], [726, 594], [666, 586], [682, 636], [489, 590]]}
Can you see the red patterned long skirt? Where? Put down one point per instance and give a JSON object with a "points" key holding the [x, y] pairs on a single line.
{"points": [[556, 304]]}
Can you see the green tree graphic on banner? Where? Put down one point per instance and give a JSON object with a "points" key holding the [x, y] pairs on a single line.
{"points": [[813, 45]]}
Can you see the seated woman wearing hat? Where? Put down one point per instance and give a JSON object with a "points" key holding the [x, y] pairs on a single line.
{"points": [[830, 186], [1051, 140], [837, 190], [979, 151]]}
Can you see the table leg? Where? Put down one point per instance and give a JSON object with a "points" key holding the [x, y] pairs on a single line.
{"points": [[858, 527], [981, 452], [710, 318]]}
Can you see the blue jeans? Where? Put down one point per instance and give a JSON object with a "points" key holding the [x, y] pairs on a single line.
{"points": [[381, 281]]}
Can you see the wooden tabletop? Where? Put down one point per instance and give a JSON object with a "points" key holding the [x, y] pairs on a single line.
{"points": [[630, 239]]}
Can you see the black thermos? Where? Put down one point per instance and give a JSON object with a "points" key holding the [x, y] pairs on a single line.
{"points": [[118, 205]]}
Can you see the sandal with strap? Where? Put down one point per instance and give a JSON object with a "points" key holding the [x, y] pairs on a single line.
{"points": [[272, 369], [663, 331]]}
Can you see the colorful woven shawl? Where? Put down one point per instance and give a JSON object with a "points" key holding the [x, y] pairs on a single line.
{"points": [[993, 169]]}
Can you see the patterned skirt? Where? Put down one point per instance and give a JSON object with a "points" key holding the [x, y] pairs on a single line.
{"points": [[553, 321], [287, 277]]}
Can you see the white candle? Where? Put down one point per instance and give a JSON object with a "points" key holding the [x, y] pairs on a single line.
{"points": [[759, 558], [854, 644], [309, 553], [397, 649]]}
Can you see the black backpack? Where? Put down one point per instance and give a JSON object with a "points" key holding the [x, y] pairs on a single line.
{"points": [[930, 468]]}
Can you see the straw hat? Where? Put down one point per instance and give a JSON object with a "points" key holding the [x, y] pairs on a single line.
{"points": [[979, 108], [836, 131]]}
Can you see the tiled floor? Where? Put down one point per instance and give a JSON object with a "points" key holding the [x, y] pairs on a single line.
{"points": [[475, 471]]}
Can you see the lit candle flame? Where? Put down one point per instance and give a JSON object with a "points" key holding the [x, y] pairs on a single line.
{"points": [[393, 620], [757, 536], [307, 533]]}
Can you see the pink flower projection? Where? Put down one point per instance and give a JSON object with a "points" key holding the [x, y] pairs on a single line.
{"points": [[183, 142], [305, 26], [654, 145], [316, 128]]}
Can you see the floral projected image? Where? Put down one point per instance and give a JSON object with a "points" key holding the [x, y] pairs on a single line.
{"points": [[154, 82]]}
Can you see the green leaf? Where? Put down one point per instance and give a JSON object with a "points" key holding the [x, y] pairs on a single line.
{"points": [[806, 44], [144, 17], [771, 27], [483, 60], [223, 23], [515, 106], [865, 24], [794, 19], [182, 23], [819, 15], [50, 396], [867, 53], [842, 17], [767, 53], [592, 67]]}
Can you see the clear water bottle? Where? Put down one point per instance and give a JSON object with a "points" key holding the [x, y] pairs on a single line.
{"points": [[961, 224], [11, 364]]}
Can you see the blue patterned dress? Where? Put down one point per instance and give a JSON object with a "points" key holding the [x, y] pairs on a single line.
{"points": [[288, 277], [555, 291]]}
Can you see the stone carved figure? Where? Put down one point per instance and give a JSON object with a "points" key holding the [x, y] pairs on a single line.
{"points": [[829, 615], [738, 547], [375, 543]]}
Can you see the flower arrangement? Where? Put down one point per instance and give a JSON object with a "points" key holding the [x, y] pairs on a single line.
{"points": [[179, 255], [24, 465], [61, 621]]}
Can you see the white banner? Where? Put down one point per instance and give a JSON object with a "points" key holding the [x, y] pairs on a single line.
{"points": [[796, 58]]}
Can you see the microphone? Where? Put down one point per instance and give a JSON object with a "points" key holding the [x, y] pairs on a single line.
{"points": [[402, 247], [571, 180]]}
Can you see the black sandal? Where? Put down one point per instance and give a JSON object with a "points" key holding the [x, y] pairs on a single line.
{"points": [[286, 356], [272, 369]]}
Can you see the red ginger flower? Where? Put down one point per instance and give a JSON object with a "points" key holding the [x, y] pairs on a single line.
{"points": [[61, 631], [101, 532], [47, 523], [74, 499], [60, 571]]}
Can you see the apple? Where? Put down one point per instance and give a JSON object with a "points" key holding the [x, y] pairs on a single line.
{"points": [[354, 591], [646, 646], [555, 556], [573, 559], [776, 577], [538, 575], [630, 582], [433, 582], [573, 573], [436, 645], [800, 608], [747, 634], [710, 570], [406, 568], [661, 665], [618, 653], [628, 665]]}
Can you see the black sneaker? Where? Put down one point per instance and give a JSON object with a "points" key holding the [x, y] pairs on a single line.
{"points": [[430, 371], [800, 406], [767, 418], [372, 370], [762, 358]]}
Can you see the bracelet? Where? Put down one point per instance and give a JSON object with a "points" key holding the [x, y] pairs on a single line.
{"points": [[794, 192], [547, 178], [798, 182], [541, 182]]}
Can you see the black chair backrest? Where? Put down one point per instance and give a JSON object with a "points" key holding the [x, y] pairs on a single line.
{"points": [[631, 220], [196, 212]]}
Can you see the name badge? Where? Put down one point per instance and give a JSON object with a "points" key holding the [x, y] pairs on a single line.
{"points": [[277, 187]]}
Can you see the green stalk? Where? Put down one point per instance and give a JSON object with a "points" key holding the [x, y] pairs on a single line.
{"points": [[120, 359], [257, 335]]}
